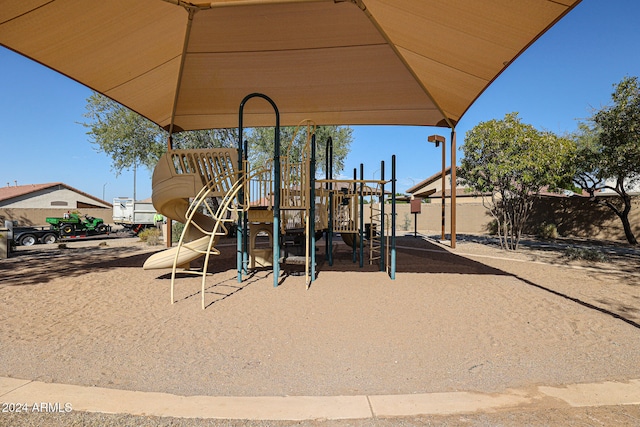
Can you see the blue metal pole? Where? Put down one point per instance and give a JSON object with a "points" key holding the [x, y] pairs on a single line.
{"points": [[276, 189], [241, 176], [329, 250], [361, 222], [312, 210], [354, 251], [245, 224], [393, 217], [276, 203]]}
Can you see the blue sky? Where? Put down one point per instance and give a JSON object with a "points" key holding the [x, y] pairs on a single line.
{"points": [[559, 80]]}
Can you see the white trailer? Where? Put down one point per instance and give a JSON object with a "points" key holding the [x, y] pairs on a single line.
{"points": [[133, 215]]}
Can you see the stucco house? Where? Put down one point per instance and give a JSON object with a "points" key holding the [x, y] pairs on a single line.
{"points": [[31, 204], [51, 195]]}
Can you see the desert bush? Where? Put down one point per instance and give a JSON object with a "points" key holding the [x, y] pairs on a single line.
{"points": [[492, 227], [151, 236], [548, 231], [407, 222], [585, 254], [176, 231]]}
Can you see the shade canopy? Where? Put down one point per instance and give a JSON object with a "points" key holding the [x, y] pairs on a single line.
{"points": [[187, 66]]}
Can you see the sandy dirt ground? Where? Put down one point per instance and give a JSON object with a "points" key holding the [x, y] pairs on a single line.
{"points": [[476, 318]]}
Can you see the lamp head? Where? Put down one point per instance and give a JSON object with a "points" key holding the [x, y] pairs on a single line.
{"points": [[436, 138]]}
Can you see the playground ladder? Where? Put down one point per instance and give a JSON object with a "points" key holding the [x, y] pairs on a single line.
{"points": [[219, 216]]}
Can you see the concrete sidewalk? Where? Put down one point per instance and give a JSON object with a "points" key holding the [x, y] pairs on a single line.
{"points": [[34, 396]]}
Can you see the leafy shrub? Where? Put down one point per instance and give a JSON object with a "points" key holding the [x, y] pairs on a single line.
{"points": [[176, 231], [492, 227], [548, 231], [407, 222], [586, 254], [150, 235]]}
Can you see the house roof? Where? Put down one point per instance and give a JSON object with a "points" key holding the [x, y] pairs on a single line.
{"points": [[433, 178], [463, 192], [460, 192], [11, 192]]}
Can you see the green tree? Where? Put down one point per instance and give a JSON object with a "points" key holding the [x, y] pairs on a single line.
{"points": [[260, 142], [608, 152], [125, 136], [130, 139], [512, 161], [207, 138]]}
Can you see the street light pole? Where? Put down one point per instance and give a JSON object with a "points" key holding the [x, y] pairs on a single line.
{"points": [[105, 184], [454, 187], [135, 166], [440, 140]]}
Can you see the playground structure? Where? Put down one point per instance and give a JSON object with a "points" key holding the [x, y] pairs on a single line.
{"points": [[279, 209]]}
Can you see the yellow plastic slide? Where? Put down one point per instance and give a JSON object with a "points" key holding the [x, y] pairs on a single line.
{"points": [[179, 175], [188, 252]]}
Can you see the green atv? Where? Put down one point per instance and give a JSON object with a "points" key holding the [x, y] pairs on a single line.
{"points": [[73, 224]]}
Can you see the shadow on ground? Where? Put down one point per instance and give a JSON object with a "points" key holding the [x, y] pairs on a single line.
{"points": [[413, 255], [38, 266]]}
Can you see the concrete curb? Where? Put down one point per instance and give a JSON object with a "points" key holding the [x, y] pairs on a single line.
{"points": [[36, 396]]}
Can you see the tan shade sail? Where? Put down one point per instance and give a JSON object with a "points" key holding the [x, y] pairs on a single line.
{"points": [[395, 62]]}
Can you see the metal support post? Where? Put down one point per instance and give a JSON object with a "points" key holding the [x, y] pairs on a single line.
{"points": [[444, 185], [382, 219], [245, 217], [354, 190], [393, 217], [439, 139], [239, 230], [312, 207], [453, 188], [169, 242], [329, 171], [361, 222], [276, 189]]}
